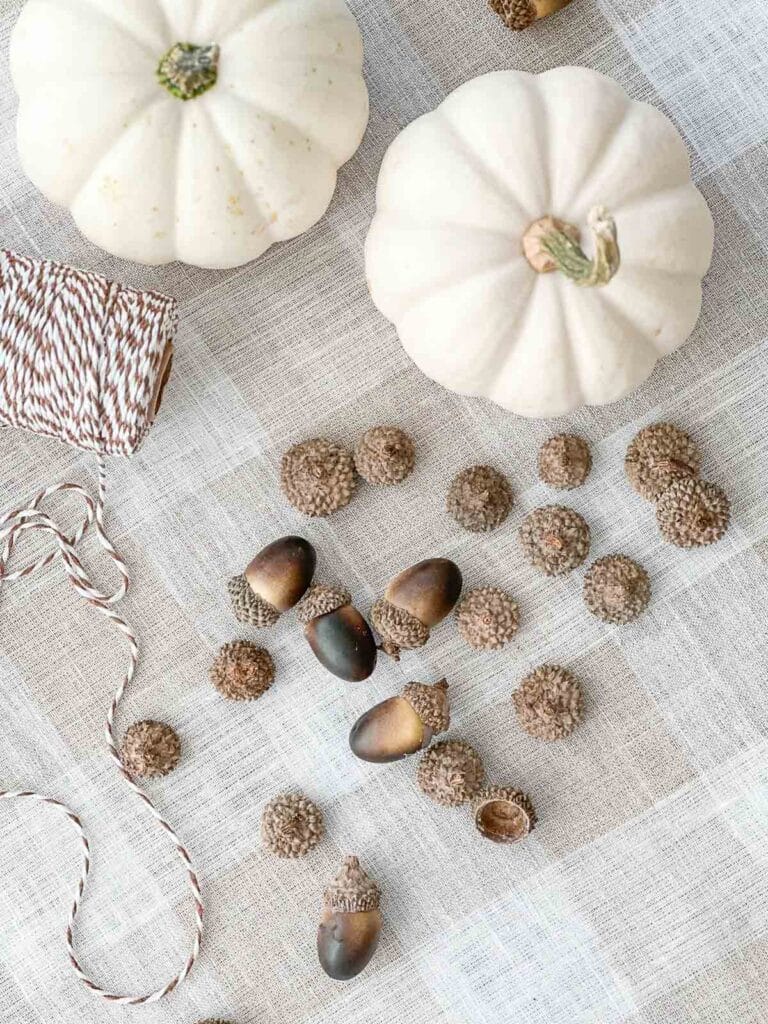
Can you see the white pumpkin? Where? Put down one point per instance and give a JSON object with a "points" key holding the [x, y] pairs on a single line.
{"points": [[473, 253], [207, 151]]}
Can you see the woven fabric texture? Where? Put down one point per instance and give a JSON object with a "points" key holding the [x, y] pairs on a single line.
{"points": [[641, 897]]}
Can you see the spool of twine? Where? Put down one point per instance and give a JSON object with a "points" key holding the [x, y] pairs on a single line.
{"points": [[85, 361]]}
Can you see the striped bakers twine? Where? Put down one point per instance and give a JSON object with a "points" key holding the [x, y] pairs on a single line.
{"points": [[85, 360]]}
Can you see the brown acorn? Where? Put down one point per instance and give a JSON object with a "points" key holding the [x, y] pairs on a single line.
{"points": [[414, 601], [503, 814], [351, 925], [520, 14], [275, 581], [402, 725], [339, 636]]}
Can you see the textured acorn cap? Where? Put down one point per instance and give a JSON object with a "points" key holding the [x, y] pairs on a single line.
{"points": [[658, 455], [291, 825], [150, 749], [616, 589], [555, 539], [451, 773], [487, 618], [430, 702], [520, 14], [480, 498], [352, 891], [242, 671], [318, 477], [385, 455], [564, 461], [398, 629], [503, 814], [321, 600], [248, 607], [214, 1020], [549, 703], [692, 513]]}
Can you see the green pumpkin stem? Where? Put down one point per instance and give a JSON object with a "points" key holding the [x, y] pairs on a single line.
{"points": [[570, 258], [187, 71]]}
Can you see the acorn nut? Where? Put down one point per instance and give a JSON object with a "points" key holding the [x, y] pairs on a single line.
{"points": [[503, 814], [402, 725], [351, 924], [339, 636], [275, 581], [414, 601]]}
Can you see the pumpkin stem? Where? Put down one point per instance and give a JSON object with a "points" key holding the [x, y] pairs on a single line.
{"points": [[187, 71], [550, 244]]}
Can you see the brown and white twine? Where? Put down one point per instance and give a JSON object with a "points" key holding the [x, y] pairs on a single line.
{"points": [[83, 360]]}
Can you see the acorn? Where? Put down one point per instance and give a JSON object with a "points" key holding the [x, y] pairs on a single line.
{"points": [[275, 581], [503, 814], [414, 601], [291, 825], [403, 725], [451, 773], [318, 477], [351, 925], [339, 636], [693, 513], [657, 456], [520, 14], [385, 456], [150, 749]]}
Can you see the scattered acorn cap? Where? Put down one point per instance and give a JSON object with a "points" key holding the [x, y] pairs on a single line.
{"points": [[480, 498], [616, 589], [339, 636], [549, 703], [242, 671], [291, 825], [520, 14], [451, 773], [385, 456], [150, 749], [657, 456], [692, 513], [214, 1020], [415, 601], [487, 618], [564, 461], [555, 539], [318, 477], [401, 726], [351, 924], [503, 814], [274, 582]]}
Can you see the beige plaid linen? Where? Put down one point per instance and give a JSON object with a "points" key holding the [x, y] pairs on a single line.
{"points": [[642, 897]]}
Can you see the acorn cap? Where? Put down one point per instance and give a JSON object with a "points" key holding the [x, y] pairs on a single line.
{"points": [[555, 539], [693, 513], [487, 618], [549, 703], [150, 749], [242, 671], [616, 589], [520, 14], [564, 461], [398, 629], [385, 455], [248, 607], [430, 702], [352, 891], [291, 825], [480, 498], [451, 773], [214, 1020], [318, 477], [321, 600], [658, 455], [503, 814]]}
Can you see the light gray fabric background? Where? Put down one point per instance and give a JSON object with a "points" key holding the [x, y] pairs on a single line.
{"points": [[642, 897]]}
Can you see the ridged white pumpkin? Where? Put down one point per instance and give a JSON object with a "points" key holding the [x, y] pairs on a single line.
{"points": [[480, 201], [274, 103]]}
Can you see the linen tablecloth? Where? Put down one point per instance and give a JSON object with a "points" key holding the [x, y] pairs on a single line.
{"points": [[642, 897]]}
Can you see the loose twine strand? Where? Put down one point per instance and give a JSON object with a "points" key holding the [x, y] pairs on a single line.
{"points": [[80, 360]]}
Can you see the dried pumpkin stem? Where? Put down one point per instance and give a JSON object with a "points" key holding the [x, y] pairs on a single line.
{"points": [[553, 245]]}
